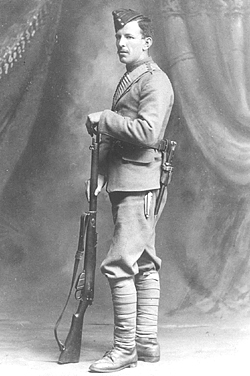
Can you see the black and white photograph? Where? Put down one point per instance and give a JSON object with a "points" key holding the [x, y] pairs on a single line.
{"points": [[124, 187]]}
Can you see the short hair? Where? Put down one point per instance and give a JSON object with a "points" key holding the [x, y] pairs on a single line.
{"points": [[146, 26]]}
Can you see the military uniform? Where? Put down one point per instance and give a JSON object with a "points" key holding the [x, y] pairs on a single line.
{"points": [[129, 159], [131, 162]]}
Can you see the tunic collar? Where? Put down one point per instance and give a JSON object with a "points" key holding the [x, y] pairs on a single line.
{"points": [[136, 65]]}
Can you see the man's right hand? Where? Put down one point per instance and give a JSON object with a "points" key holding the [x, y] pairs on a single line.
{"points": [[92, 122]]}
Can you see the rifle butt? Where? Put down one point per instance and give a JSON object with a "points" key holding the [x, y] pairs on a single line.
{"points": [[72, 347]]}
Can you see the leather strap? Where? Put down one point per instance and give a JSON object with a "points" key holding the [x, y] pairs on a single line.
{"points": [[129, 78]]}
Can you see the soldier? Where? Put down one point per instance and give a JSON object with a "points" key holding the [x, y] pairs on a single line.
{"points": [[130, 166]]}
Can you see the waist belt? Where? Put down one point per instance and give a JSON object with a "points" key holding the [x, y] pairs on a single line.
{"points": [[120, 145]]}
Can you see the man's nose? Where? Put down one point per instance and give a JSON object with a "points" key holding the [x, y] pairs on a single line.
{"points": [[121, 41]]}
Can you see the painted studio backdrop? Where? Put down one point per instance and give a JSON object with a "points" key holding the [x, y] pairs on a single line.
{"points": [[58, 63]]}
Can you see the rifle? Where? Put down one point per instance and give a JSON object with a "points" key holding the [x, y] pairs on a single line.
{"points": [[167, 148], [70, 350]]}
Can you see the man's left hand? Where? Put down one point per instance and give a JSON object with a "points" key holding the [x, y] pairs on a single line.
{"points": [[92, 122], [101, 181]]}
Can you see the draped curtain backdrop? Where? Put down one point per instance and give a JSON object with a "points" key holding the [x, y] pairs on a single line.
{"points": [[57, 64], [208, 54]]}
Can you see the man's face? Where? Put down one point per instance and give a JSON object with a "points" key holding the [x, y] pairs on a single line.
{"points": [[131, 46]]}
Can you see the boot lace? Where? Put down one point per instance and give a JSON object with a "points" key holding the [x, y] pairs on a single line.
{"points": [[109, 353]]}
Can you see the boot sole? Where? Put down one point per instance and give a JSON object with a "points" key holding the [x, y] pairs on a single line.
{"points": [[95, 370], [149, 359]]}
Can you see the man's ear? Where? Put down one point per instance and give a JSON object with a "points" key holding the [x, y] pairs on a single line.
{"points": [[148, 43]]}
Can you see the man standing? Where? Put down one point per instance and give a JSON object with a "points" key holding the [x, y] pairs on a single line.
{"points": [[130, 165]]}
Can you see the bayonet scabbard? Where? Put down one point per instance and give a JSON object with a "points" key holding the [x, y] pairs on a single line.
{"points": [[167, 150]]}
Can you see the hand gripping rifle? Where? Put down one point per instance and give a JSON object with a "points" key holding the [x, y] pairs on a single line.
{"points": [[167, 148], [84, 287]]}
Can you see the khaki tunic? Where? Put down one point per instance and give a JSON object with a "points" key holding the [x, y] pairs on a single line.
{"points": [[138, 119]]}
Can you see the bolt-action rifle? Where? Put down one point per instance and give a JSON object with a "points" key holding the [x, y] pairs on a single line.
{"points": [[84, 286]]}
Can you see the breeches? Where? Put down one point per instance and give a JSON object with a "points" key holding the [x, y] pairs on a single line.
{"points": [[132, 249]]}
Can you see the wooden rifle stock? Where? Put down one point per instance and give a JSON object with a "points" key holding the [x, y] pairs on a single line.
{"points": [[71, 349]]}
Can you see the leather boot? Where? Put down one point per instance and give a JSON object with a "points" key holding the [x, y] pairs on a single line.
{"points": [[148, 349], [123, 354], [148, 295]]}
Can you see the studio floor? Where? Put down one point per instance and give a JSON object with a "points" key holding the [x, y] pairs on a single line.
{"points": [[189, 346]]}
